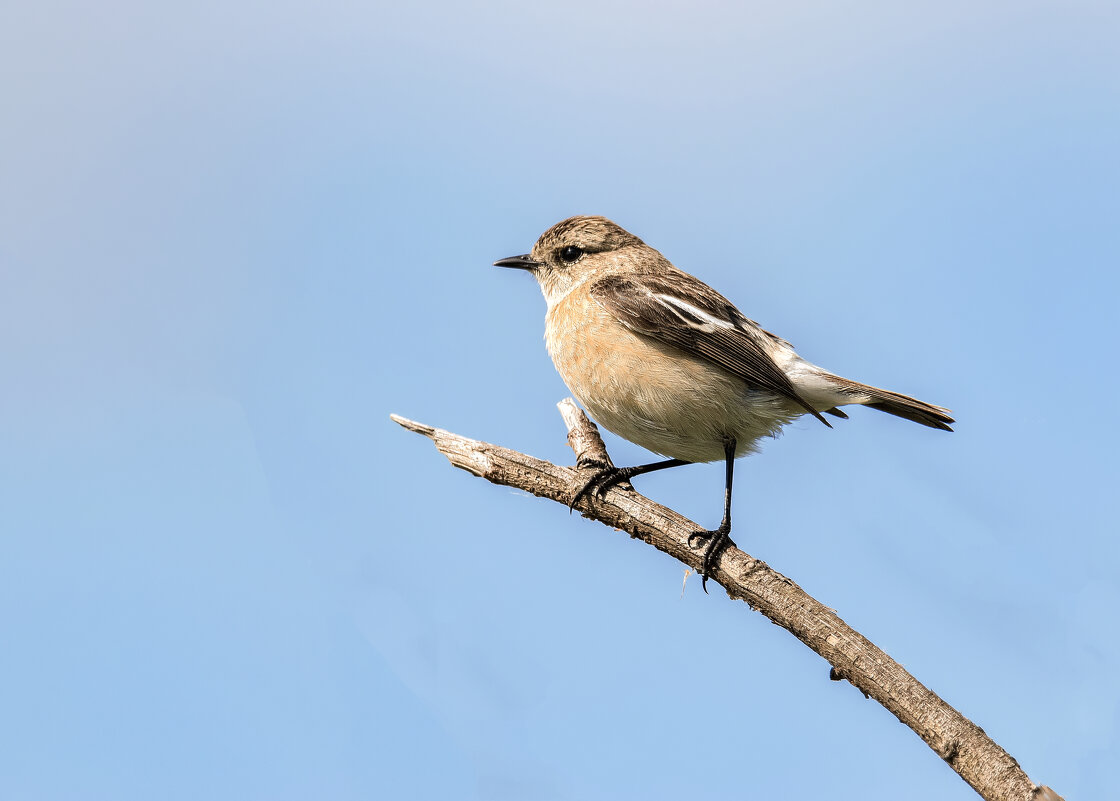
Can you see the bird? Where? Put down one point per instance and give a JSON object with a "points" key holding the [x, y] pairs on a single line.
{"points": [[661, 359]]}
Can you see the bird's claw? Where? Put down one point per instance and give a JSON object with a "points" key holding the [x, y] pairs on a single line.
{"points": [[717, 540], [600, 481]]}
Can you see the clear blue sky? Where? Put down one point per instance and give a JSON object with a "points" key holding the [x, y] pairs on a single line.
{"points": [[235, 237]]}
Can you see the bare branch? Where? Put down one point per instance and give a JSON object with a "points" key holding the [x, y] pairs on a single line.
{"points": [[990, 770]]}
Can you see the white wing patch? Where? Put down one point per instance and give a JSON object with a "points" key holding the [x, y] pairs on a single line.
{"points": [[689, 314]]}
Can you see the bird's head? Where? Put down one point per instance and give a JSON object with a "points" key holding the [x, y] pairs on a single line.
{"points": [[579, 248]]}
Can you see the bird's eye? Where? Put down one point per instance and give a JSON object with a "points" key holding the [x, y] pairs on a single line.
{"points": [[571, 253]]}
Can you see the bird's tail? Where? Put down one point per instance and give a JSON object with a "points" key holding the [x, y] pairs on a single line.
{"points": [[893, 403]]}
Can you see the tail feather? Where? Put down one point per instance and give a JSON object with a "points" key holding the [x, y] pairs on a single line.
{"points": [[894, 403]]}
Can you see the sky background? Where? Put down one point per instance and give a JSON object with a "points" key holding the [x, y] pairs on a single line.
{"points": [[234, 237]]}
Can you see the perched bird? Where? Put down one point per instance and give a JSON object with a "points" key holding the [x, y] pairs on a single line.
{"points": [[662, 359]]}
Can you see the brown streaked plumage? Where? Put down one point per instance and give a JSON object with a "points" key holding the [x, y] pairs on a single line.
{"points": [[656, 305]]}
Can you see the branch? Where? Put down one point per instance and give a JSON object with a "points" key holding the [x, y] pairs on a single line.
{"points": [[990, 770]]}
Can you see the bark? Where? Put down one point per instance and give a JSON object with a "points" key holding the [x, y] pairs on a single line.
{"points": [[990, 770]]}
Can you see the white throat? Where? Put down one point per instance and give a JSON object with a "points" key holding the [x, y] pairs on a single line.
{"points": [[554, 296]]}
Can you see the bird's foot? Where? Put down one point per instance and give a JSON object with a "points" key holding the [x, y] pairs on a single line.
{"points": [[716, 540], [600, 481]]}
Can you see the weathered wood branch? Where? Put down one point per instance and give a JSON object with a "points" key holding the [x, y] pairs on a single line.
{"points": [[990, 770]]}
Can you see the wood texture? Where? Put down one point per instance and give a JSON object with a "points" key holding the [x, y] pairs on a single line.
{"points": [[990, 770]]}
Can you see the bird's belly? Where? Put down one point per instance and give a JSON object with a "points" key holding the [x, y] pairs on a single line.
{"points": [[660, 397]]}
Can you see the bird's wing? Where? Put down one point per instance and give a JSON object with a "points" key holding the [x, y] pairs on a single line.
{"points": [[683, 311]]}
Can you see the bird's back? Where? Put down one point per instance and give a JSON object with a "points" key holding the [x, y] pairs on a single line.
{"points": [[654, 394]]}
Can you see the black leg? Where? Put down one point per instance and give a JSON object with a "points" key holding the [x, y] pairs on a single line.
{"points": [[607, 477], [718, 538]]}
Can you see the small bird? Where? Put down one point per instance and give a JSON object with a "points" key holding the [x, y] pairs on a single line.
{"points": [[663, 360]]}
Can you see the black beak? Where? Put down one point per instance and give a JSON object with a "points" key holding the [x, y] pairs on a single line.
{"points": [[525, 262]]}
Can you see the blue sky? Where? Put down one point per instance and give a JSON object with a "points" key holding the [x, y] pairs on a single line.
{"points": [[235, 237]]}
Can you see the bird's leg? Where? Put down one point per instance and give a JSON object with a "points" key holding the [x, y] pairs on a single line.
{"points": [[718, 539], [606, 477]]}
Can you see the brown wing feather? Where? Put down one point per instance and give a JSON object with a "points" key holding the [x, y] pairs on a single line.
{"points": [[735, 344]]}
